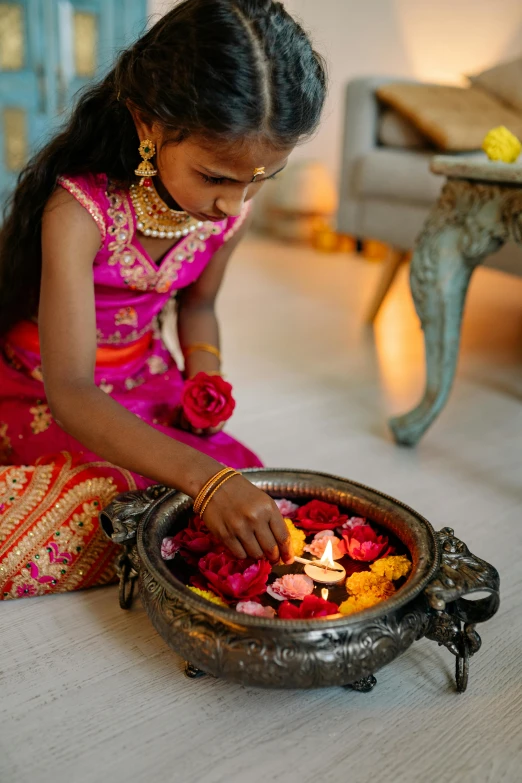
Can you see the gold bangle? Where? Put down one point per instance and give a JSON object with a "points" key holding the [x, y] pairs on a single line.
{"points": [[215, 489], [207, 487], [206, 347]]}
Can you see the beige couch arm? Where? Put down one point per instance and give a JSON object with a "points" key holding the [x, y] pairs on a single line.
{"points": [[360, 136]]}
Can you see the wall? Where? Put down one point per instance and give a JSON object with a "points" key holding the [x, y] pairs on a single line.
{"points": [[437, 40]]}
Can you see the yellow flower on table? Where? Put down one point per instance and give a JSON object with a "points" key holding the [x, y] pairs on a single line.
{"points": [[501, 144], [392, 567]]}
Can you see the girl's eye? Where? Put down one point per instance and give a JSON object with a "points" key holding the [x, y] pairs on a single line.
{"points": [[212, 180]]}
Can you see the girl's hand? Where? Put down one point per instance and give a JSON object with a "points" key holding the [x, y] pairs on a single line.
{"points": [[248, 522], [180, 421]]}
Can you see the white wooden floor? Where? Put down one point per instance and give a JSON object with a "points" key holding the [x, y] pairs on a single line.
{"points": [[90, 694]]}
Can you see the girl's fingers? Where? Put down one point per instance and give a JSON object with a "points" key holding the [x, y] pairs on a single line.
{"points": [[235, 546], [282, 536], [250, 545], [268, 544]]}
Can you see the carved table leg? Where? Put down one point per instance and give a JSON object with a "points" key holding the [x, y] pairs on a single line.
{"points": [[464, 228]]}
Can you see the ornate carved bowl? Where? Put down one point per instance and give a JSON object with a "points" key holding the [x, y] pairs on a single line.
{"points": [[306, 653]]}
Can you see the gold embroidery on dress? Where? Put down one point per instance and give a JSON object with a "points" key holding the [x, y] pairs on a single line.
{"points": [[66, 539], [86, 201], [138, 272], [238, 223], [116, 338], [157, 366], [42, 418], [126, 316]]}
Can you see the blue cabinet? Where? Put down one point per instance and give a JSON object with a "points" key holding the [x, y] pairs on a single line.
{"points": [[49, 49]]}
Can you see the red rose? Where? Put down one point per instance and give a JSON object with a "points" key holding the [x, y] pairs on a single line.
{"points": [[311, 606], [317, 515], [231, 578], [207, 400], [195, 541]]}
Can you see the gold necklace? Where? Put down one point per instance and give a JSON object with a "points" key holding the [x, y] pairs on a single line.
{"points": [[155, 219]]}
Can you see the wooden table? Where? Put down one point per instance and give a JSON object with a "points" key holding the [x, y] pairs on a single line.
{"points": [[479, 210]]}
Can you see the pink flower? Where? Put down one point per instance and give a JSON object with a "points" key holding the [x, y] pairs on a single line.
{"points": [[287, 508], [239, 579], [363, 543], [295, 586], [312, 606], [318, 545], [25, 589], [194, 541], [318, 515], [169, 547], [353, 522], [256, 609]]}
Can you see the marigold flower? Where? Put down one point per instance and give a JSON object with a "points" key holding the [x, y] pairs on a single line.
{"points": [[501, 144], [357, 603], [297, 537], [393, 567], [215, 599], [364, 583]]}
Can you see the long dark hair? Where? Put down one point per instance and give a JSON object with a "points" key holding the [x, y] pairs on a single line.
{"points": [[218, 68]]}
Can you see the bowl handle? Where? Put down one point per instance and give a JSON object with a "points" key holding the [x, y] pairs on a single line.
{"points": [[119, 521], [453, 618]]}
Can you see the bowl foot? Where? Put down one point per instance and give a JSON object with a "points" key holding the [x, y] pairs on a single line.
{"points": [[193, 672], [364, 685]]}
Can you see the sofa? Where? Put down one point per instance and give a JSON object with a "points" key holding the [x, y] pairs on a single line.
{"points": [[387, 188]]}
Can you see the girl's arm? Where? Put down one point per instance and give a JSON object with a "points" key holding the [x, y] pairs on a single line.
{"points": [[197, 321], [242, 516]]}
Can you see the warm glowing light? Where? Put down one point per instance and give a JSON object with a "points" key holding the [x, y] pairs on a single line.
{"points": [[324, 594], [327, 557]]}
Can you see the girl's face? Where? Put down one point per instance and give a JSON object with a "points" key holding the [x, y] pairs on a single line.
{"points": [[211, 181]]}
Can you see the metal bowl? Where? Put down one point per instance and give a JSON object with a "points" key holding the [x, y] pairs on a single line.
{"points": [[306, 653]]}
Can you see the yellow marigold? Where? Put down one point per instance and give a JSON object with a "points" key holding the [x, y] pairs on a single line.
{"points": [[393, 567], [501, 144], [298, 537], [356, 603], [364, 583], [215, 599]]}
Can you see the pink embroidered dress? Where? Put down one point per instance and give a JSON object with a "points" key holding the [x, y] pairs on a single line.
{"points": [[41, 461]]}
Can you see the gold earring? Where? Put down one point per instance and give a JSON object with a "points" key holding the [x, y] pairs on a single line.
{"points": [[146, 170], [258, 173]]}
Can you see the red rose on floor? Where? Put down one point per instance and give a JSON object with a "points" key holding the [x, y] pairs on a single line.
{"points": [[195, 541], [311, 606], [231, 578], [317, 515], [363, 543], [207, 400]]}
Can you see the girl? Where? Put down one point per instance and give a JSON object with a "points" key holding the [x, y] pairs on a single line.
{"points": [[94, 244]]}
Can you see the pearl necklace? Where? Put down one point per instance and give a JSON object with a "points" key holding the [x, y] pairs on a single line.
{"points": [[155, 218]]}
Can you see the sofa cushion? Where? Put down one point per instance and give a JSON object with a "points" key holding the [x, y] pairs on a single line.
{"points": [[454, 118], [504, 81], [397, 174], [396, 131]]}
